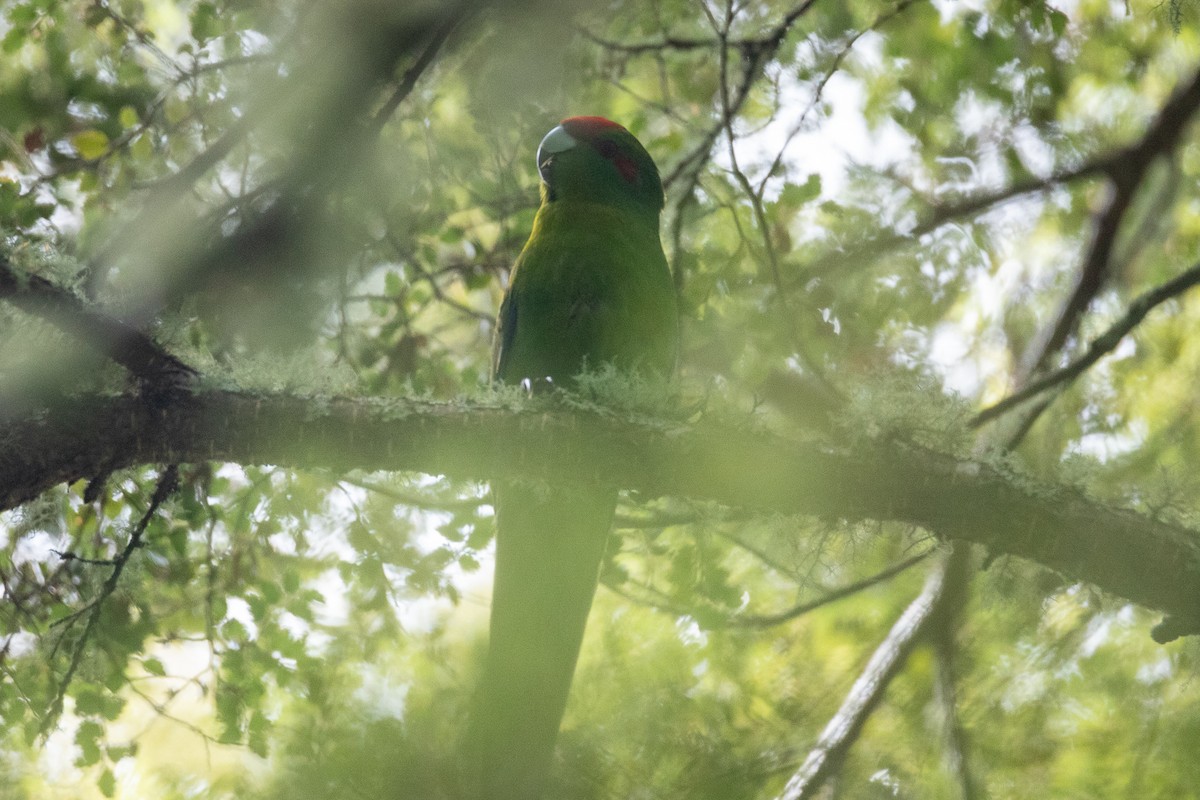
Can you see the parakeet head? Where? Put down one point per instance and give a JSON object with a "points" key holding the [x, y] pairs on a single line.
{"points": [[593, 159]]}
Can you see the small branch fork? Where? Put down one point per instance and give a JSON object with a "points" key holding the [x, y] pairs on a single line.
{"points": [[1126, 172], [1101, 346]]}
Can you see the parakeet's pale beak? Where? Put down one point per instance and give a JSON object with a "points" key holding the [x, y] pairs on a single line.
{"points": [[556, 141]]}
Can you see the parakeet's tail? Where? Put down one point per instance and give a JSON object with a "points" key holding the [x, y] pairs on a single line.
{"points": [[548, 554]]}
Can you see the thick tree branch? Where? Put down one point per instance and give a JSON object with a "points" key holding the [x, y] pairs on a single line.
{"points": [[1093, 274], [1152, 562]]}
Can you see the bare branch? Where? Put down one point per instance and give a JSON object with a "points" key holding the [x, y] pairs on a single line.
{"points": [[1101, 346], [409, 81], [770, 620], [1126, 173], [667, 42], [771, 39], [888, 659]]}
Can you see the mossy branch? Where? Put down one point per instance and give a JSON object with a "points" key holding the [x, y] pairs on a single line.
{"points": [[1150, 561]]}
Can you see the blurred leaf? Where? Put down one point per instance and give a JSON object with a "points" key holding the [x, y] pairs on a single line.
{"points": [[90, 144], [107, 783]]}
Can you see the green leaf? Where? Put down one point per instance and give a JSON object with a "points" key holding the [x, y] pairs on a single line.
{"points": [[271, 591], [107, 783], [13, 40], [23, 16], [114, 704], [154, 666], [256, 734], [90, 144], [219, 607], [128, 117], [1058, 22], [87, 738], [798, 194], [291, 581], [94, 15], [205, 22], [234, 631], [89, 700], [393, 285]]}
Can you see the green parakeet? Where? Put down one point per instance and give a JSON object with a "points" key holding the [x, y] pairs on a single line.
{"points": [[591, 287]]}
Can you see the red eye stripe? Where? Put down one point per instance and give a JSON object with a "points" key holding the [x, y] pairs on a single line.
{"points": [[624, 164], [627, 167]]}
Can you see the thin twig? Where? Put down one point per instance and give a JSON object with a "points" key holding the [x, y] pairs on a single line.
{"points": [[67, 555], [1102, 345], [819, 90], [771, 620], [167, 482], [160, 709], [143, 38], [771, 39], [755, 54], [409, 81]]}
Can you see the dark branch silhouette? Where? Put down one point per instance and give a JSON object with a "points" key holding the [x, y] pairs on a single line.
{"points": [[1126, 172], [123, 343], [1101, 346]]}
